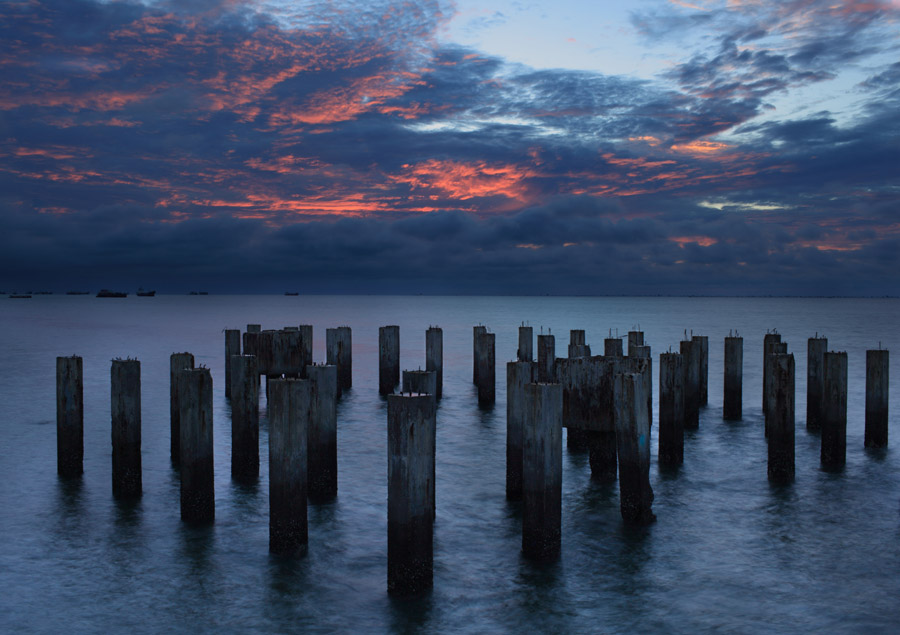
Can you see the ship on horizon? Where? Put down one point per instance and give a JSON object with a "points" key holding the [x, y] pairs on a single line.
{"points": [[106, 293], [146, 294]]}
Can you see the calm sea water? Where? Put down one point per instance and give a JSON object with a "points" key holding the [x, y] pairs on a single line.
{"points": [[729, 552]]}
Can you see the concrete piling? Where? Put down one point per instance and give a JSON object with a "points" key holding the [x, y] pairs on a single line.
{"points": [[769, 342], [815, 382], [612, 347], [306, 348], [419, 381], [411, 425], [877, 384], [434, 357], [338, 352], [125, 408], [781, 419], [645, 367], [487, 372], [518, 375], [732, 405], [690, 352], [542, 472], [254, 328], [703, 342], [576, 437], [834, 413], [388, 358], [525, 352], [635, 338], [546, 369], [322, 468], [633, 447], [577, 345], [778, 348], [476, 332], [177, 362], [69, 416], [289, 410], [195, 390], [244, 418], [671, 409], [232, 347]]}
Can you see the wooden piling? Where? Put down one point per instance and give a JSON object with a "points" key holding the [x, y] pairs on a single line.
{"points": [[733, 403], [388, 358], [815, 382], [177, 362], [703, 341], [476, 331], [769, 341], [232, 347], [244, 418], [542, 472], [690, 352], [525, 352], [306, 348], [195, 390], [671, 409], [289, 410], [778, 348], [546, 368], [633, 448], [69, 416], [877, 387], [322, 435], [645, 367], [338, 349], [419, 381], [434, 357], [125, 408], [487, 372], [518, 375], [781, 419], [834, 413]]}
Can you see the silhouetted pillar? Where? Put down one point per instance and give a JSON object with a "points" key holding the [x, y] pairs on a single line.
{"points": [[769, 342], [779, 348], [322, 436], [177, 362], [306, 348], [635, 338], [781, 419], [542, 472], [690, 352], [525, 352], [612, 347], [411, 425], [642, 352], [434, 357], [244, 418], [254, 328], [125, 408], [388, 358], [487, 373], [633, 446], [703, 341], [733, 403], [476, 331], [419, 381], [877, 385], [338, 349], [546, 369], [198, 499], [232, 347], [671, 409], [518, 375], [577, 345], [289, 410], [815, 381], [834, 419], [69, 416]]}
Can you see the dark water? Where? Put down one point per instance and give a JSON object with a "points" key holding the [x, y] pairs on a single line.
{"points": [[728, 553]]}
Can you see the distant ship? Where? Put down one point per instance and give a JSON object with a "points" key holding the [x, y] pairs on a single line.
{"points": [[291, 293], [19, 296], [78, 292], [106, 293], [146, 294]]}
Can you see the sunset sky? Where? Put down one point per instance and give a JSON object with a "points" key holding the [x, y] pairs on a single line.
{"points": [[477, 146]]}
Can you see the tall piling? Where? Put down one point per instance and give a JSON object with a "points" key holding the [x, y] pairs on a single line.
{"points": [[476, 331], [518, 375], [690, 352], [703, 342], [576, 438], [338, 352], [434, 357], [645, 367], [781, 419], [635, 338], [244, 418], [877, 386], [195, 390], [69, 416], [411, 425], [612, 347], [232, 347], [778, 348], [388, 358], [306, 348], [546, 368], [815, 381], [487, 372], [125, 409], [733, 403], [769, 341], [177, 362], [542, 472], [633, 447], [671, 409], [322, 435], [834, 413], [289, 410], [525, 352]]}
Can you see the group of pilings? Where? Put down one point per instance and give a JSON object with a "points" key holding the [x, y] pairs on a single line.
{"points": [[389, 376]]}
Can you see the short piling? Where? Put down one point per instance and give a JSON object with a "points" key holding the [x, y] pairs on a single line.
{"points": [[525, 352], [733, 403], [476, 331], [671, 409], [633, 447], [322, 435], [434, 357], [338, 352], [232, 347], [542, 472], [195, 390], [420, 381], [388, 358], [690, 352], [177, 362], [487, 373], [289, 410], [577, 345], [125, 408], [815, 382], [781, 419], [546, 369], [244, 418], [254, 328], [518, 375], [834, 413], [612, 347], [69, 416], [635, 338], [877, 385], [703, 342], [411, 425]]}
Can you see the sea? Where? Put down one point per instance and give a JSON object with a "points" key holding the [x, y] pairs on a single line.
{"points": [[728, 553]]}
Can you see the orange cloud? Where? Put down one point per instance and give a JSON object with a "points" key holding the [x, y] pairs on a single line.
{"points": [[464, 181], [702, 241]]}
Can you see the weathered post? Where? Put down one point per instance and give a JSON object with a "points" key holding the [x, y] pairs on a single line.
{"points": [[411, 425], [577, 345], [671, 409], [703, 342], [254, 328], [815, 381], [266, 356], [306, 348], [244, 418], [232, 347], [646, 369], [525, 352], [588, 409], [250, 341], [177, 362], [322, 437], [518, 375], [476, 331], [388, 358], [125, 408], [542, 471], [69, 416], [690, 352], [635, 338], [487, 372], [577, 439], [834, 419], [419, 381], [612, 347], [877, 384], [633, 445], [289, 409], [781, 419], [434, 357], [338, 349], [546, 368], [769, 342], [198, 499], [733, 403], [779, 348]]}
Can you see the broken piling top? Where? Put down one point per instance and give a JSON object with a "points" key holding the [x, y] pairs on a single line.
{"points": [[612, 347], [576, 337], [423, 382], [69, 416], [635, 338], [877, 389]]}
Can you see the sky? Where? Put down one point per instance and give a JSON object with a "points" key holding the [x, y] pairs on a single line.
{"points": [[673, 147]]}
